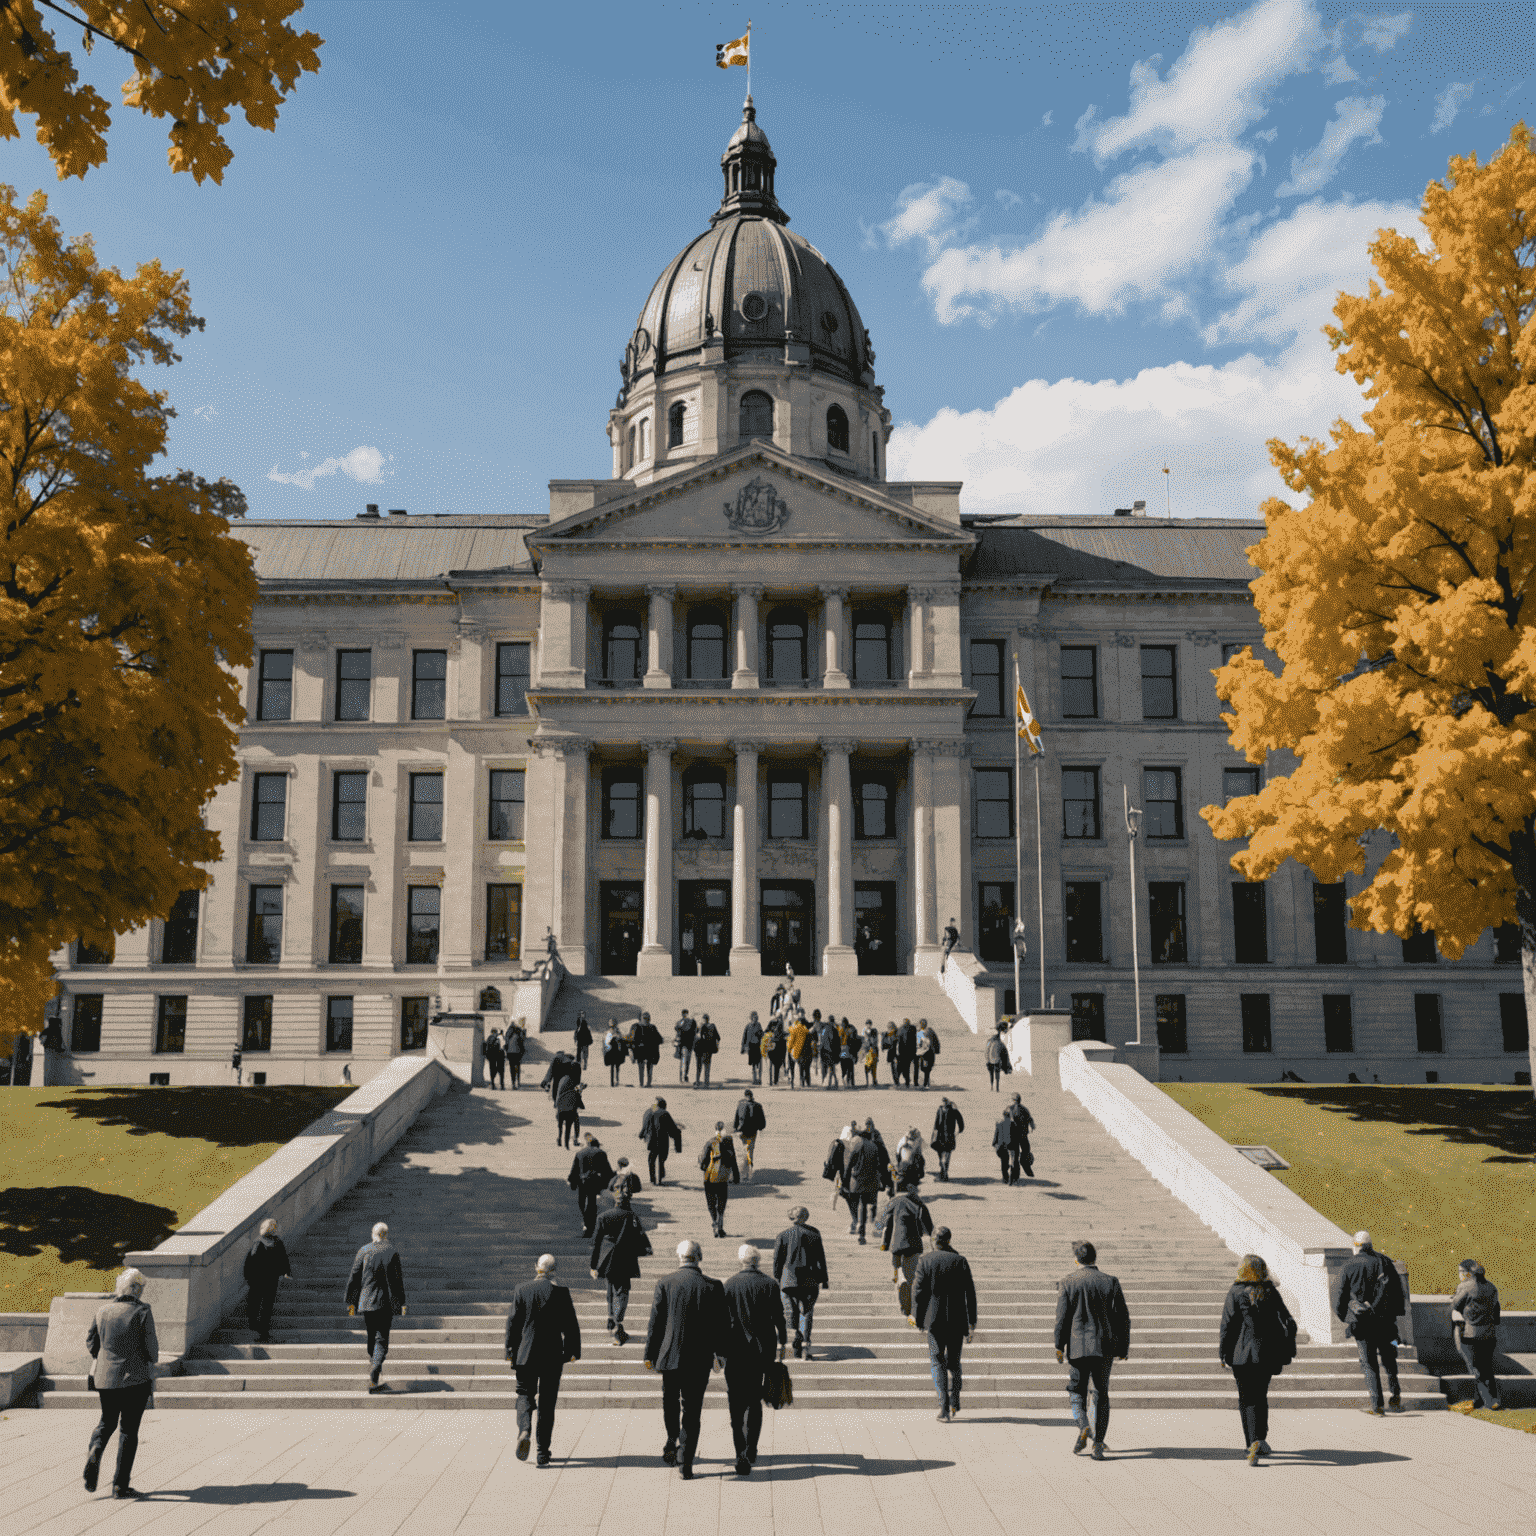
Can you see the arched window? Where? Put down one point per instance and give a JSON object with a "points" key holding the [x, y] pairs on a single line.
{"points": [[837, 428], [871, 647], [756, 414], [704, 802], [675, 425], [786, 645], [622, 637], [706, 644], [645, 432]]}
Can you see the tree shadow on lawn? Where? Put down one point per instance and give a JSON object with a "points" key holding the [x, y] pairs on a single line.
{"points": [[225, 1117], [83, 1225], [1473, 1117]]}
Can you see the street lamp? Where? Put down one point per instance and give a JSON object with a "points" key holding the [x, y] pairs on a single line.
{"points": [[1132, 826]]}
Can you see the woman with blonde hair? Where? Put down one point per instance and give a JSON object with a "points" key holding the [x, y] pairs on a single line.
{"points": [[124, 1350], [1258, 1340], [266, 1265]]}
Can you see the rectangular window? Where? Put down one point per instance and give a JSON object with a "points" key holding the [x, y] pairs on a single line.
{"points": [[426, 808], [346, 925], [414, 1014], [423, 909], [1255, 1010], [1080, 802], [338, 1023], [1250, 925], [1506, 944], [85, 1025], [874, 806], [1419, 947], [1329, 915], [1085, 929], [256, 1024], [1172, 1029], [786, 805], [1162, 802], [171, 1026], [1513, 1021], [429, 685], [269, 807], [349, 807], [179, 941], [994, 802], [274, 686], [264, 928], [994, 932], [95, 954], [1237, 782], [1159, 683], [623, 799], [1338, 1024], [987, 677], [1426, 1022], [1087, 1016], [1080, 682], [506, 805], [704, 803], [503, 922], [1170, 940], [354, 684], [512, 675]]}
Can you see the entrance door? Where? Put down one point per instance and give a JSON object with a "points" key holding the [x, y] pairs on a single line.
{"points": [[621, 904], [874, 933], [787, 927], [703, 928]]}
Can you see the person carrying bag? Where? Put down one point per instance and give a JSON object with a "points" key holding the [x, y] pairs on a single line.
{"points": [[1258, 1341]]}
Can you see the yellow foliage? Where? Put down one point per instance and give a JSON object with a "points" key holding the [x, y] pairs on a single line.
{"points": [[194, 62], [124, 606], [1395, 598]]}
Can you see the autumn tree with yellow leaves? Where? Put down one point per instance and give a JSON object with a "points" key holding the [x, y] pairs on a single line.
{"points": [[125, 605], [194, 62], [1397, 596]]}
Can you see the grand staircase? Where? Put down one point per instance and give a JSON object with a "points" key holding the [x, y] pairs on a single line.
{"points": [[476, 1191]]}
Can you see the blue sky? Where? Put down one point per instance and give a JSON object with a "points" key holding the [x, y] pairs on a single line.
{"points": [[1087, 240]]}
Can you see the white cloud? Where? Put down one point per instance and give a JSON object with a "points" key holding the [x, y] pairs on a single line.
{"points": [[1383, 32], [1358, 118], [928, 212], [1337, 71], [1216, 89], [1155, 223], [1448, 103], [1006, 198], [363, 464], [1045, 122]]}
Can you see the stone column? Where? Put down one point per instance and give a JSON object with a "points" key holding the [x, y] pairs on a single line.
{"points": [[572, 905], [839, 957], [925, 950], [917, 635], [746, 675], [833, 599], [563, 634], [655, 958], [745, 958], [659, 671], [952, 839], [943, 609]]}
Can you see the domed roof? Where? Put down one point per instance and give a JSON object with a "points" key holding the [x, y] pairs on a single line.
{"points": [[749, 283]]}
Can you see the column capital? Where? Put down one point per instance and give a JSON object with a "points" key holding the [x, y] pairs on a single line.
{"points": [[919, 594], [752, 592], [1124, 638], [922, 748], [840, 745], [654, 747], [840, 593], [757, 748], [1201, 636], [561, 746], [665, 592], [578, 591], [952, 748]]}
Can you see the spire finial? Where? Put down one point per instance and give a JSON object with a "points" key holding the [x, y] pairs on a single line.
{"points": [[748, 165]]}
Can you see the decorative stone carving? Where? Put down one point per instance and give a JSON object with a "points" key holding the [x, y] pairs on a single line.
{"points": [[669, 747], [1123, 639], [758, 509], [830, 744], [567, 591], [951, 748], [921, 748], [1201, 636], [750, 746], [666, 594]]}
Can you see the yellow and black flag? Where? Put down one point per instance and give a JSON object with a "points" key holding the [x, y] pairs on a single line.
{"points": [[737, 52], [1029, 727]]}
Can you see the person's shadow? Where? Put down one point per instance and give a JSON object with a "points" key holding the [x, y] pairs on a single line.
{"points": [[786, 1468], [1329, 1457], [259, 1493]]}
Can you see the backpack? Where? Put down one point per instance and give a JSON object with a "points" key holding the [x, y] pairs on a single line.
{"points": [[712, 1174], [933, 1043]]}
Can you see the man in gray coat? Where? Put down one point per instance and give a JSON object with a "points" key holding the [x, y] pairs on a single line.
{"points": [[124, 1350], [376, 1288], [907, 1218], [755, 1324], [1368, 1299], [800, 1267], [1093, 1329], [944, 1307], [542, 1335], [686, 1336]]}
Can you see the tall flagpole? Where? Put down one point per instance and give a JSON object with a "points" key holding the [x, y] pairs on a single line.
{"points": [[1018, 838], [1040, 875], [749, 56]]}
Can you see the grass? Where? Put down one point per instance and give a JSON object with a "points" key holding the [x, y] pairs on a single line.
{"points": [[87, 1174], [1505, 1418], [1436, 1173]]}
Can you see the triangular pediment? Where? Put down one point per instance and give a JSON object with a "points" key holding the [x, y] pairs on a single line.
{"points": [[752, 497]]}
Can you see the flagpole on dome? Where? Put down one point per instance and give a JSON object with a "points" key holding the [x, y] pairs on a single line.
{"points": [[1017, 935], [1025, 725]]}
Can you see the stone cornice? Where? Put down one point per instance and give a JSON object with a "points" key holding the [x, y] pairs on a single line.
{"points": [[739, 698]]}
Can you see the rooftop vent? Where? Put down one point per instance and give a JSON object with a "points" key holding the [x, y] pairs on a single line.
{"points": [[1122, 511], [397, 511], [371, 510], [1138, 509]]}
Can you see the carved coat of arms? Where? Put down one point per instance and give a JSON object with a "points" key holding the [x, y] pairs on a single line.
{"points": [[757, 509]]}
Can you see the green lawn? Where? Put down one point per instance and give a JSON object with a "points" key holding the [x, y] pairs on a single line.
{"points": [[87, 1174], [1436, 1173], [1505, 1418]]}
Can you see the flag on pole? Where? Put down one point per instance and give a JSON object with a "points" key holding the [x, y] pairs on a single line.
{"points": [[1029, 727], [737, 52]]}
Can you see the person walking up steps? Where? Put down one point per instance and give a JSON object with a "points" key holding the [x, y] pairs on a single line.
{"points": [[376, 1288], [658, 1130], [718, 1164], [568, 1107], [648, 1044], [1005, 1136], [591, 1173], [948, 1123], [951, 938], [800, 1267], [123, 1349], [754, 1309], [927, 1049], [1093, 1330], [1368, 1299], [907, 1219], [1023, 1124], [869, 1054], [1475, 1327], [906, 1052], [619, 1243], [799, 1053], [614, 1051], [543, 1336], [862, 1169], [515, 1044], [582, 1038], [997, 1061], [706, 1042], [687, 1335], [265, 1266], [848, 1053], [682, 1044], [944, 1307], [625, 1180], [750, 1119], [1258, 1341], [774, 1049], [752, 1049], [495, 1060]]}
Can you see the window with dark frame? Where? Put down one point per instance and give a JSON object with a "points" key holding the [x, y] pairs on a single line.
{"points": [[423, 924], [178, 941], [85, 1023], [1159, 683], [1419, 947], [755, 417], [338, 1023], [1238, 782], [1170, 937], [992, 792], [1080, 682], [415, 1015], [1250, 923], [87, 953], [1172, 1028], [1080, 802], [503, 922], [269, 807], [994, 928], [675, 419], [874, 805], [787, 794], [514, 670], [707, 631], [354, 684], [1506, 944], [837, 428], [429, 685], [623, 647], [1162, 803], [264, 926], [426, 817], [786, 645], [346, 925], [704, 802], [987, 678], [256, 1023], [1087, 1016], [871, 646], [1330, 915], [1426, 1022], [623, 803], [506, 823], [1254, 1007], [1084, 922], [171, 1026], [349, 806], [1514, 1022], [274, 686], [1338, 1024]]}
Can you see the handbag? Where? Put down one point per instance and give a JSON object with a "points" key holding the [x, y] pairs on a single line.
{"points": [[778, 1391]]}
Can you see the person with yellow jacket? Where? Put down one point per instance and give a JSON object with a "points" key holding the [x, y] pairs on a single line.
{"points": [[799, 1059]]}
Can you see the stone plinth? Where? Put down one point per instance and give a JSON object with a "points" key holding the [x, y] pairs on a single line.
{"points": [[457, 1040]]}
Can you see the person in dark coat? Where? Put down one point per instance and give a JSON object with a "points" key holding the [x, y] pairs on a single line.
{"points": [[997, 1060], [591, 1173], [1093, 1330], [265, 1266], [614, 1052], [542, 1336], [495, 1060], [1005, 1137], [658, 1130], [750, 1119], [625, 1181], [706, 1043], [869, 1054], [717, 1162], [683, 1033], [1475, 1327], [1368, 1299], [906, 1053], [907, 1219], [800, 1267], [869, 1133], [648, 1043], [944, 1306], [774, 1047], [951, 937], [948, 1123], [515, 1044], [927, 1049], [619, 1242], [1258, 1341], [561, 1066], [1024, 1123], [862, 1181], [688, 1333], [124, 1349], [752, 1048], [582, 1039], [376, 1288], [568, 1107], [755, 1335]]}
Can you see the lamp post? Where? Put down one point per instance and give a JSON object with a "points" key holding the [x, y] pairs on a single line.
{"points": [[1132, 826]]}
